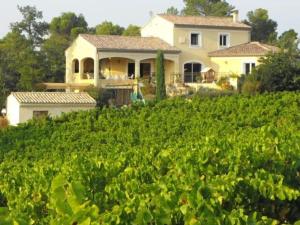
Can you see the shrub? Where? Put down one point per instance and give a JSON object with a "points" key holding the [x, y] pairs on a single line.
{"points": [[3, 122], [251, 85], [278, 72], [224, 83]]}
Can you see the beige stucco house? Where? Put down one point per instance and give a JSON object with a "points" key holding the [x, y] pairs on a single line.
{"points": [[192, 45], [23, 106]]}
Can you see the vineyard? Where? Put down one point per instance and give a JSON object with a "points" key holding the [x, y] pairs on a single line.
{"points": [[231, 160]]}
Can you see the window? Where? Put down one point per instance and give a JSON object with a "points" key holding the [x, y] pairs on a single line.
{"points": [[195, 39], [192, 72], [75, 66], [40, 114], [248, 67], [224, 40]]}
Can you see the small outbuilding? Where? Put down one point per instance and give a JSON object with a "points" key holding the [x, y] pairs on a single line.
{"points": [[23, 106]]}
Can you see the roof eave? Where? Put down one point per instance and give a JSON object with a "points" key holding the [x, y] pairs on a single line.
{"points": [[246, 55], [138, 50], [212, 27]]}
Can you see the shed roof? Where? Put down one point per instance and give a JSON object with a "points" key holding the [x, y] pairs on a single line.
{"points": [[205, 21], [247, 49], [116, 42], [53, 98]]}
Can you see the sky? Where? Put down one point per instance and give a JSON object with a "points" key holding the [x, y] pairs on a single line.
{"points": [[137, 12]]}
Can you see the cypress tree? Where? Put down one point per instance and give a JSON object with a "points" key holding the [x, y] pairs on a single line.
{"points": [[160, 77]]}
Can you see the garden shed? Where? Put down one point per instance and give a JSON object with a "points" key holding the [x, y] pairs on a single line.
{"points": [[23, 106]]}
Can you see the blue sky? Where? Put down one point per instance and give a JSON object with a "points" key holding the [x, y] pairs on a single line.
{"points": [[286, 13]]}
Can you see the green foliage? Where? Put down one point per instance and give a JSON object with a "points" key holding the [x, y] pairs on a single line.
{"points": [[132, 30], [251, 85], [207, 8], [289, 41], [160, 76], [263, 28], [108, 28], [15, 48], [68, 24], [172, 11], [31, 25], [224, 160], [278, 72], [53, 51]]}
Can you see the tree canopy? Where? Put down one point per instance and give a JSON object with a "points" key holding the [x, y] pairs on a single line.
{"points": [[263, 28], [289, 41], [108, 28], [132, 30], [172, 11], [31, 25], [207, 8]]}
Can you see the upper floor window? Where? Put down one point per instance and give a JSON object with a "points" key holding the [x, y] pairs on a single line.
{"points": [[195, 39], [248, 67], [224, 40]]}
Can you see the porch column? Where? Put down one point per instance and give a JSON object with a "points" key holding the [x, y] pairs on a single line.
{"points": [[96, 69], [68, 73], [81, 68], [137, 68], [177, 70]]}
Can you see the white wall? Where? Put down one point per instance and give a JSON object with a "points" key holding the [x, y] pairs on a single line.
{"points": [[26, 111], [13, 110], [159, 27]]}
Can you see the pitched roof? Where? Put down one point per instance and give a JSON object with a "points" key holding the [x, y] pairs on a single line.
{"points": [[205, 21], [121, 43], [247, 49], [53, 98]]}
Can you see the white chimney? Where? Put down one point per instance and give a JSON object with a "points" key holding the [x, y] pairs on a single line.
{"points": [[235, 16]]}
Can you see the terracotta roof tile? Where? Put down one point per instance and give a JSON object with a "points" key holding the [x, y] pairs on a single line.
{"points": [[53, 98], [247, 49], [115, 42], [205, 21]]}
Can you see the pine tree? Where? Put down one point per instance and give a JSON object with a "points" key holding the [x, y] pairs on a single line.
{"points": [[160, 77]]}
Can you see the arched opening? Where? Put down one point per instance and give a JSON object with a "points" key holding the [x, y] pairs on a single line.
{"points": [[75, 66], [192, 72], [88, 68]]}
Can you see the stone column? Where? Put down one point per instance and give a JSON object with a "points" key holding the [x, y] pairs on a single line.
{"points": [[96, 70]]}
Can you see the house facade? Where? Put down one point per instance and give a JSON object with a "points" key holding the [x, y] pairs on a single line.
{"points": [[191, 46]]}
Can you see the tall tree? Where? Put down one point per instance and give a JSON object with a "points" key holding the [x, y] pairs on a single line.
{"points": [[108, 28], [263, 28], [132, 30], [160, 76], [207, 8], [21, 64], [289, 41], [172, 11], [31, 25]]}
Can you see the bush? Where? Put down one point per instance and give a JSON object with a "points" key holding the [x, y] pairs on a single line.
{"points": [[3, 122], [250, 85], [224, 83], [278, 72]]}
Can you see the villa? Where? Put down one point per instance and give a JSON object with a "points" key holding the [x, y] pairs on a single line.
{"points": [[197, 50]]}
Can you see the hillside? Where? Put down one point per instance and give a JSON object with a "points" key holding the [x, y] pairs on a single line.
{"points": [[226, 160]]}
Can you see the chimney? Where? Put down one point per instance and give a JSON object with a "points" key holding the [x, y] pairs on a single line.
{"points": [[235, 16]]}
